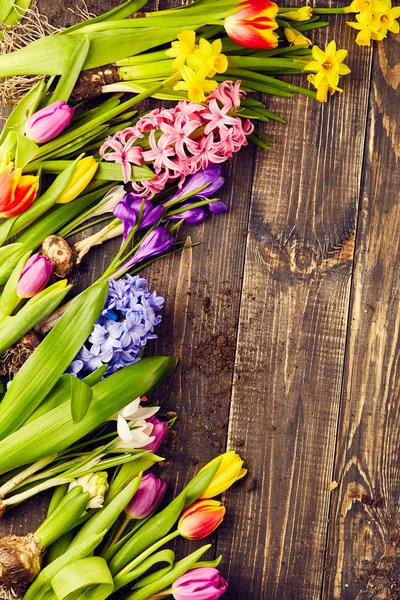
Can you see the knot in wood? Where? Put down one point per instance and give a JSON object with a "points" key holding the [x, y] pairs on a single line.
{"points": [[303, 259]]}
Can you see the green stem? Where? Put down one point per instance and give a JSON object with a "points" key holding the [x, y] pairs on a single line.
{"points": [[121, 530], [330, 11], [21, 477], [148, 552]]}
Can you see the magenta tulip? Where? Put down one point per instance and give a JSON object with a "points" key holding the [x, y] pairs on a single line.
{"points": [[204, 583], [159, 432], [35, 276], [49, 122], [146, 499]]}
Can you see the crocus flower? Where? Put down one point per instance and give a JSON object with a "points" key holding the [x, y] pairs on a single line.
{"points": [[96, 485], [200, 519], [128, 211], [83, 175], [253, 26], [35, 276], [204, 583], [49, 122], [210, 177], [147, 497], [17, 191], [229, 471], [157, 242], [190, 215], [158, 433]]}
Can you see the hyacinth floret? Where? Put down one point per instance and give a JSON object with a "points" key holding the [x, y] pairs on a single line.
{"points": [[182, 140], [126, 324]]}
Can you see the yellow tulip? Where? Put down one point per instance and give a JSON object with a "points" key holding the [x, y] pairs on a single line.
{"points": [[229, 471], [83, 175]]}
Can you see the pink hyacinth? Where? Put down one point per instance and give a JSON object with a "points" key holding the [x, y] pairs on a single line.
{"points": [[181, 140]]}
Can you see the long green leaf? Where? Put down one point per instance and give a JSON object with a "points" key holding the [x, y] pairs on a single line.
{"points": [[119, 12], [105, 171], [70, 76], [42, 370], [81, 397], [9, 298], [16, 121], [56, 431]]}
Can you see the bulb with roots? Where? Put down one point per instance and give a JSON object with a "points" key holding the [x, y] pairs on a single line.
{"points": [[20, 564]]}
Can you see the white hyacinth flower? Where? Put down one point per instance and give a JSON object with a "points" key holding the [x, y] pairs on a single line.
{"points": [[96, 485]]}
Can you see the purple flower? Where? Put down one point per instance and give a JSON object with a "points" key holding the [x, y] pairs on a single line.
{"points": [[159, 431], [211, 176], [204, 583], [218, 207], [126, 324], [35, 276], [157, 242], [147, 497], [190, 215], [49, 122], [128, 211]]}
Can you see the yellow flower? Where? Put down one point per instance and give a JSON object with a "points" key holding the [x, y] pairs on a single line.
{"points": [[207, 60], [323, 89], [367, 30], [83, 175], [194, 84], [181, 49], [229, 471], [328, 64], [296, 39], [302, 14], [366, 6], [386, 20]]}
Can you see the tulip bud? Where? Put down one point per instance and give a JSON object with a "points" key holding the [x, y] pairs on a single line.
{"points": [[229, 471], [17, 191], [204, 583], [96, 485], [158, 432], [254, 25], [147, 497], [35, 276], [200, 519], [83, 175], [49, 122]]}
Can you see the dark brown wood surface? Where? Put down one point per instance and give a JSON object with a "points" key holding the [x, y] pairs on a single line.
{"points": [[286, 324]]}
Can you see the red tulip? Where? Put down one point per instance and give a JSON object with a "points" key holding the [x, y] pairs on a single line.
{"points": [[200, 519], [253, 27], [17, 191]]}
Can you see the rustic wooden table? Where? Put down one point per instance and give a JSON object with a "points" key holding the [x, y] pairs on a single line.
{"points": [[286, 324]]}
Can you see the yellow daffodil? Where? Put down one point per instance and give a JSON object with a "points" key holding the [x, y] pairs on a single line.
{"points": [[295, 38], [207, 60], [195, 84], [83, 175], [366, 6], [229, 471], [302, 14], [367, 30], [386, 20], [323, 89], [328, 64], [182, 48]]}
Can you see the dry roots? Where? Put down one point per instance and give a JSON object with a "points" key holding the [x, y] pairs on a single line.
{"points": [[12, 359]]}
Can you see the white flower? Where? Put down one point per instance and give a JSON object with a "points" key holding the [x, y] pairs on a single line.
{"points": [[132, 427], [96, 485]]}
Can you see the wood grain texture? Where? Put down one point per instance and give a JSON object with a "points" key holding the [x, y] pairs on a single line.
{"points": [[363, 558], [291, 342]]}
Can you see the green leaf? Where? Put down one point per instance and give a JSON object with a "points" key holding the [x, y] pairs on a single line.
{"points": [[9, 298], [105, 171], [87, 577], [5, 8], [70, 76], [81, 397], [164, 556], [26, 150], [56, 431], [95, 376], [46, 365], [64, 517], [16, 15], [119, 12]]}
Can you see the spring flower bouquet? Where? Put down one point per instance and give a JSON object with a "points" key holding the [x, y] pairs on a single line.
{"points": [[79, 151]]}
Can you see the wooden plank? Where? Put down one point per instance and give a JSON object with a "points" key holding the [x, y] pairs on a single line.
{"points": [[291, 341], [363, 551]]}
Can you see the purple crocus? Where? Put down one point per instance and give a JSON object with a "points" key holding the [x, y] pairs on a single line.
{"points": [[128, 211], [190, 215], [210, 176], [47, 123], [35, 276], [204, 583], [159, 431], [156, 242], [149, 494]]}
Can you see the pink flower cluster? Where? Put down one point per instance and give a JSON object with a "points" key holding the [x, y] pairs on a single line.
{"points": [[181, 140]]}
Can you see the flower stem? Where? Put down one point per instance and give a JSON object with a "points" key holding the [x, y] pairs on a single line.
{"points": [[17, 479], [329, 11], [121, 530]]}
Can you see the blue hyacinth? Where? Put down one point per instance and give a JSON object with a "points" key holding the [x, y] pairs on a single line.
{"points": [[127, 321]]}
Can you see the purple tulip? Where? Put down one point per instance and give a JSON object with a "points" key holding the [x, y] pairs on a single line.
{"points": [[150, 492], [49, 122], [128, 211], [211, 175], [190, 215], [159, 433], [204, 583], [35, 276]]}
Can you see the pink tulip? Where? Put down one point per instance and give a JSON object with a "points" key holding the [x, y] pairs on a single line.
{"points": [[35, 276], [49, 122], [147, 497], [204, 583], [159, 432]]}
